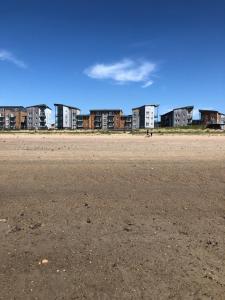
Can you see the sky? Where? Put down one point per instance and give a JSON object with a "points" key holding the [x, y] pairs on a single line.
{"points": [[113, 53]]}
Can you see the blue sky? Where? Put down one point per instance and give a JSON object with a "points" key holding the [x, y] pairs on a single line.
{"points": [[113, 53]]}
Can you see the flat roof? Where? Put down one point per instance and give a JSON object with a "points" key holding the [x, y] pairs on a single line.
{"points": [[155, 105], [106, 109], [72, 107], [39, 105], [12, 107]]}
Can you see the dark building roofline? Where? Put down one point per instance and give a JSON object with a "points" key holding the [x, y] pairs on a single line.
{"points": [[83, 115], [187, 107], [171, 111], [155, 105], [39, 105], [107, 109], [13, 107], [209, 110], [72, 107]]}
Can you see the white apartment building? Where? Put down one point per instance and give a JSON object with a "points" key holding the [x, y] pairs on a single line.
{"points": [[144, 116], [66, 116]]}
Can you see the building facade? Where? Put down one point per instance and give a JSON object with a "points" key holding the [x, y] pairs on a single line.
{"points": [[144, 116], [13, 117], [211, 117], [83, 121], [66, 116], [126, 122], [178, 117], [38, 117], [105, 119]]}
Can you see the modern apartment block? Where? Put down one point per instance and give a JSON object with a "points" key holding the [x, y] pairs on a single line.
{"points": [[181, 116], [66, 116], [126, 122], [38, 117], [210, 117], [105, 119], [13, 117], [144, 116], [83, 121]]}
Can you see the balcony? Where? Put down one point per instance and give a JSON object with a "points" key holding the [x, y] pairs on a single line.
{"points": [[97, 119], [42, 115], [42, 124], [111, 119], [110, 126], [98, 114]]}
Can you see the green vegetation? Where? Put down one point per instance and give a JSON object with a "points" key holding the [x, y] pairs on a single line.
{"points": [[198, 130]]}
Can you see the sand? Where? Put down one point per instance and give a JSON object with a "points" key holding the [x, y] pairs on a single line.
{"points": [[112, 217]]}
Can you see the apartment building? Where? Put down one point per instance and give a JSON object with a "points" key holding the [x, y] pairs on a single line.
{"points": [[210, 117], [126, 122], [181, 116], [13, 117], [145, 116], [38, 117], [66, 116], [105, 119], [83, 121]]}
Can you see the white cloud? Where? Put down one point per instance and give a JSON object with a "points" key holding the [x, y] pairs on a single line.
{"points": [[148, 83], [8, 56], [124, 71]]}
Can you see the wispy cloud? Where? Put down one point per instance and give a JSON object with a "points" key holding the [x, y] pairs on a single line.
{"points": [[148, 83], [9, 57], [124, 71]]}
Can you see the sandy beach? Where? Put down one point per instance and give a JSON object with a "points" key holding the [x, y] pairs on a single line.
{"points": [[112, 217]]}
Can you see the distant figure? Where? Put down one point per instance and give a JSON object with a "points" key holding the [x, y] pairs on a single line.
{"points": [[147, 133], [151, 133]]}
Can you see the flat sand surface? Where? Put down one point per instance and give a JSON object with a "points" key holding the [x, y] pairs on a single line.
{"points": [[112, 217]]}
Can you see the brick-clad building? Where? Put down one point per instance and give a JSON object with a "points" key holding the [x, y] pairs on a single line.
{"points": [[83, 122], [126, 122], [105, 119], [210, 117], [13, 117]]}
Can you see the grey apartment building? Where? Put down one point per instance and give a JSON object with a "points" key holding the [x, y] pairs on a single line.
{"points": [[145, 116], [66, 116], [181, 116], [38, 117]]}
